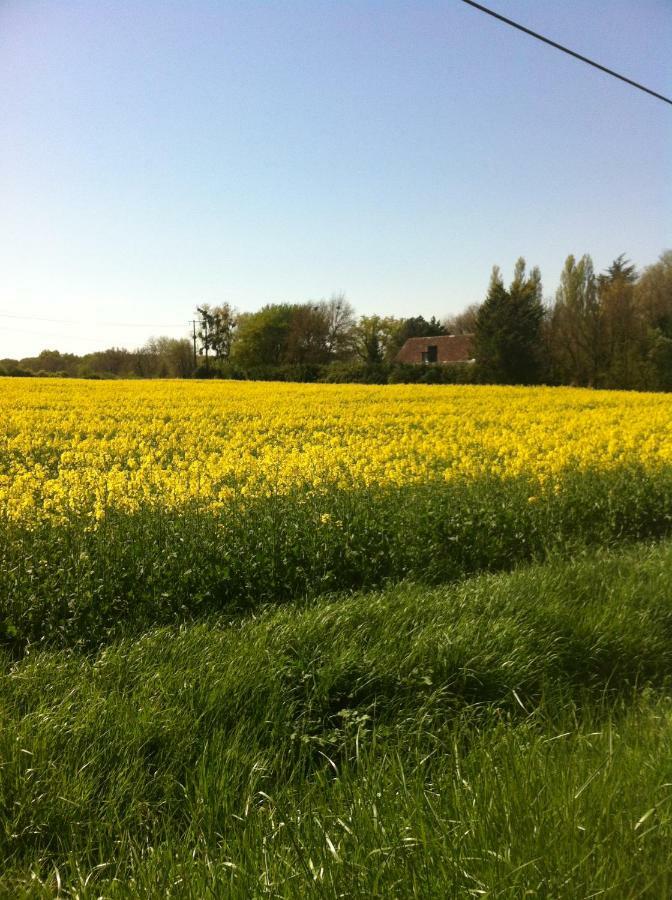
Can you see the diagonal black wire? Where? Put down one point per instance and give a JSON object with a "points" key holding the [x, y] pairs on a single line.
{"points": [[557, 46]]}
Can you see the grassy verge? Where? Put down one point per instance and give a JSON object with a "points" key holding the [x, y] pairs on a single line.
{"points": [[69, 585], [505, 734]]}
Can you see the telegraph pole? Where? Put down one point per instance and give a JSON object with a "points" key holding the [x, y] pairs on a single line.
{"points": [[193, 331]]}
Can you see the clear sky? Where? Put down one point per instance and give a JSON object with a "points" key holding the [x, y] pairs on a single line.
{"points": [[158, 154]]}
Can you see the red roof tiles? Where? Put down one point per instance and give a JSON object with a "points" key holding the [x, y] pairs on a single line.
{"points": [[450, 348]]}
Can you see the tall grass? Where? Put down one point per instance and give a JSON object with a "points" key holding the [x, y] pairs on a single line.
{"points": [[71, 585], [501, 735]]}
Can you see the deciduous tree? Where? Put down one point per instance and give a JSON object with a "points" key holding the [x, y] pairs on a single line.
{"points": [[575, 324]]}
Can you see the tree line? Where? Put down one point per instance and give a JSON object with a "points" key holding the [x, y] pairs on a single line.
{"points": [[308, 334], [606, 330]]}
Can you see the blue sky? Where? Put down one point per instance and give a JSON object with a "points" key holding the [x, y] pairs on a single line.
{"points": [[158, 154]]}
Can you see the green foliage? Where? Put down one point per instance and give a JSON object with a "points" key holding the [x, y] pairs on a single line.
{"points": [[295, 334], [660, 358], [612, 331], [507, 735], [17, 372], [653, 295], [604, 331], [508, 339], [216, 329], [376, 339], [70, 585], [456, 373], [621, 270], [576, 324], [623, 330], [307, 339], [342, 372], [355, 373], [262, 336]]}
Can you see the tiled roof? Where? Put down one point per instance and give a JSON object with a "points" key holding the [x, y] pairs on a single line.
{"points": [[450, 348]]}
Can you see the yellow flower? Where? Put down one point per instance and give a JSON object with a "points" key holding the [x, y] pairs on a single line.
{"points": [[71, 447]]}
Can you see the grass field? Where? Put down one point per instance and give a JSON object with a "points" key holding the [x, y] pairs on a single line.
{"points": [[386, 642]]}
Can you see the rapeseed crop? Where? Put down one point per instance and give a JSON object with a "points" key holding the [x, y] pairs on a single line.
{"points": [[73, 449], [128, 504], [203, 693]]}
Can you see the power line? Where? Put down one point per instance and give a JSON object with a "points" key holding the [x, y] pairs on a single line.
{"points": [[591, 62], [52, 335], [4, 315], [55, 335]]}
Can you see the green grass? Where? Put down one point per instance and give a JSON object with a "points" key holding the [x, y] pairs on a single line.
{"points": [[69, 585], [505, 734]]}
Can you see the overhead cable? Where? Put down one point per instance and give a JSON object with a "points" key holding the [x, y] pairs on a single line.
{"points": [[585, 59], [5, 315]]}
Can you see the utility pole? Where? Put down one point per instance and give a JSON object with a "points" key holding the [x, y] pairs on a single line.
{"points": [[206, 318], [206, 343], [193, 331]]}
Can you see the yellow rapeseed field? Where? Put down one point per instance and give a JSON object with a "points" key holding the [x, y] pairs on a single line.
{"points": [[78, 447]]}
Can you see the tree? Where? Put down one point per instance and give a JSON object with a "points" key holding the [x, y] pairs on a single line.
{"points": [[341, 325], [491, 337], [298, 333], [164, 357], [624, 330], [115, 360], [374, 338], [507, 342], [172, 357], [660, 361], [262, 336], [308, 335], [653, 302], [620, 270], [575, 324], [216, 327], [653, 294], [51, 361], [463, 322]]}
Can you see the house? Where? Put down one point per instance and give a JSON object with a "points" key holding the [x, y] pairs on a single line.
{"points": [[443, 348]]}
